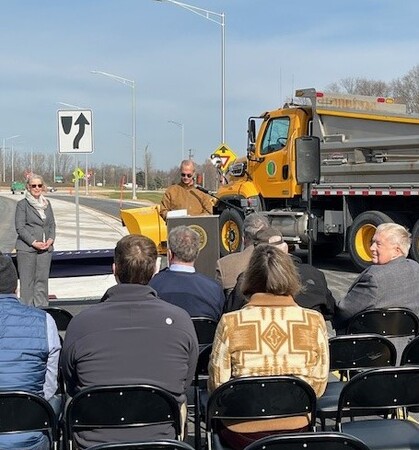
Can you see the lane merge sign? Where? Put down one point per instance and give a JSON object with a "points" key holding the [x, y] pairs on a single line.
{"points": [[75, 133]]}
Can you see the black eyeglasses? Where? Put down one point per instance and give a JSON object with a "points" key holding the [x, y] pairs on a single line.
{"points": [[33, 186], [188, 175]]}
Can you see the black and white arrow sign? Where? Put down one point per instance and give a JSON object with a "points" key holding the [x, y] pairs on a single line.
{"points": [[75, 131]]}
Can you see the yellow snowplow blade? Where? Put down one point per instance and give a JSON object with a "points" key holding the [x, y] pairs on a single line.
{"points": [[147, 221]]}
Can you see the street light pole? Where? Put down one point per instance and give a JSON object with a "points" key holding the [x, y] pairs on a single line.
{"points": [[4, 154], [131, 84], [182, 127], [219, 19]]}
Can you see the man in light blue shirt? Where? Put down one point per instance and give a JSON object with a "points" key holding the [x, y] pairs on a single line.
{"points": [[29, 353]]}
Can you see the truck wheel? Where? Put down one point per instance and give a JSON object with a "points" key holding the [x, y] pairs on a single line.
{"points": [[360, 237], [231, 232], [414, 249]]}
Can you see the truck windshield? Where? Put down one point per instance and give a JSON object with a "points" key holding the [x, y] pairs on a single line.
{"points": [[276, 135]]}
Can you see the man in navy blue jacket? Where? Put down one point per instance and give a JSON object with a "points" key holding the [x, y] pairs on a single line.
{"points": [[181, 285]]}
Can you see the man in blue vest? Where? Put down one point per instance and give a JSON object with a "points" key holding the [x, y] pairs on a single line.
{"points": [[29, 352]]}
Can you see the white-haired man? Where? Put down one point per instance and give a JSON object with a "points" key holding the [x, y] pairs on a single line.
{"points": [[392, 279]]}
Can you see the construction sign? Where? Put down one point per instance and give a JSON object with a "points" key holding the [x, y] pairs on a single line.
{"points": [[223, 157]]}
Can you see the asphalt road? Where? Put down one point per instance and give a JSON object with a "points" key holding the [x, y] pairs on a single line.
{"points": [[111, 207], [7, 224]]}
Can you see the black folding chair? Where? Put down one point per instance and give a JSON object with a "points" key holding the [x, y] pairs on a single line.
{"points": [[61, 316], [123, 406], [252, 398], [398, 324], [27, 412], [200, 392], [350, 353], [309, 441], [205, 329], [376, 390], [410, 354], [148, 445]]}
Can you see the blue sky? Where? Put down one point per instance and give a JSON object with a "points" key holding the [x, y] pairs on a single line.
{"points": [[49, 48]]}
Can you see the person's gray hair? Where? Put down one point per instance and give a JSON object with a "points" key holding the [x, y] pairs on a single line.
{"points": [[184, 243], [397, 235], [253, 223]]}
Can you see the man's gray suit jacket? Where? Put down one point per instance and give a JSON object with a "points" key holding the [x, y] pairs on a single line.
{"points": [[395, 284]]}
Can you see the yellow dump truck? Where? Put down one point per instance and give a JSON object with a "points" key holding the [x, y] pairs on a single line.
{"points": [[366, 153]]}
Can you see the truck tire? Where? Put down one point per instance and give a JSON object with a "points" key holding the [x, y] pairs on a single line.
{"points": [[360, 235], [231, 231], [414, 249]]}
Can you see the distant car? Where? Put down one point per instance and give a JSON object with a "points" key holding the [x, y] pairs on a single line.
{"points": [[51, 189], [129, 185], [17, 186]]}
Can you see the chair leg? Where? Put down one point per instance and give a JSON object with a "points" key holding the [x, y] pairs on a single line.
{"points": [[197, 419]]}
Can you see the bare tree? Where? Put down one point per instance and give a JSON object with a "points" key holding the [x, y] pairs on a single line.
{"points": [[361, 86], [406, 89]]}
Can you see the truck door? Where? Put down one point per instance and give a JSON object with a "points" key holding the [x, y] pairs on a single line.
{"points": [[273, 174]]}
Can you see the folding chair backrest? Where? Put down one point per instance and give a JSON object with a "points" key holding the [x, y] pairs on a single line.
{"points": [[309, 441], [410, 354], [251, 398], [24, 411], [203, 360], [148, 445], [389, 322], [360, 351], [205, 329], [379, 389], [61, 316], [124, 406]]}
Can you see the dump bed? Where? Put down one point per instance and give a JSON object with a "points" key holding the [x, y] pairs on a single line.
{"points": [[364, 139]]}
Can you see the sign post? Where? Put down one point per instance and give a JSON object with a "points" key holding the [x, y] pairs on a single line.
{"points": [[75, 136]]}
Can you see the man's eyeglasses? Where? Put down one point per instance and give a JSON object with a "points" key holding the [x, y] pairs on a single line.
{"points": [[187, 175], [33, 186]]}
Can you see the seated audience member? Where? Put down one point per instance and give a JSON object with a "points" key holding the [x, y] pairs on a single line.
{"points": [[181, 285], [392, 279], [29, 353], [229, 267], [297, 343], [314, 294], [132, 337]]}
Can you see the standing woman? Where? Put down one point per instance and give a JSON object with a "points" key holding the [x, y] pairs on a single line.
{"points": [[35, 227]]}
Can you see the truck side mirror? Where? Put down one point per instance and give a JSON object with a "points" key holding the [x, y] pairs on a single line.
{"points": [[307, 159], [251, 136]]}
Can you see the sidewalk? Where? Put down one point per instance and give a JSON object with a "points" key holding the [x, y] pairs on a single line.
{"points": [[97, 231]]}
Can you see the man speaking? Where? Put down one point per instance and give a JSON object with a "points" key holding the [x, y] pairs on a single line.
{"points": [[184, 195]]}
